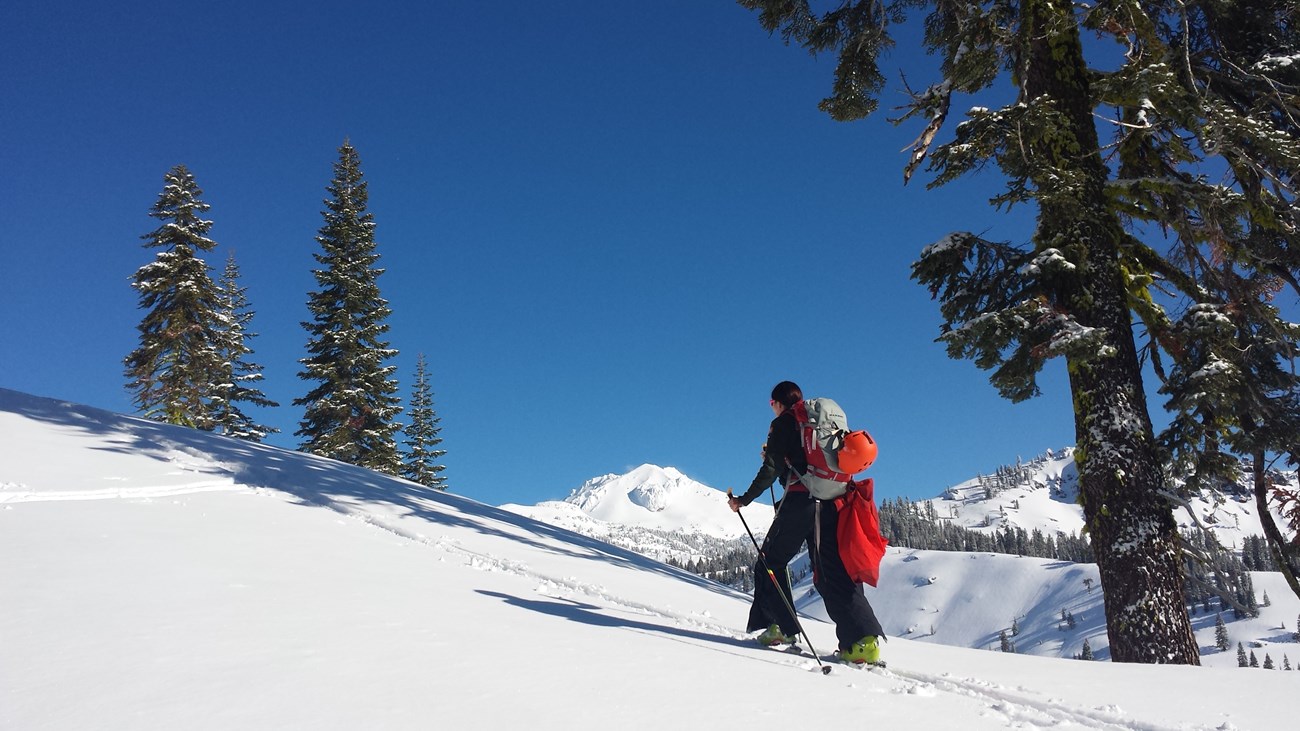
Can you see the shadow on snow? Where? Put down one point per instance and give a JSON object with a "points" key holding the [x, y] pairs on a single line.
{"points": [[314, 480]]}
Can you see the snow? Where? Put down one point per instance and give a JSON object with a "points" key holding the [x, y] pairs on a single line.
{"points": [[1273, 63], [1047, 498], [661, 498], [163, 578], [1049, 259], [944, 245]]}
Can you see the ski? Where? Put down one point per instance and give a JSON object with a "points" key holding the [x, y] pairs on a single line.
{"points": [[832, 659], [878, 665]]}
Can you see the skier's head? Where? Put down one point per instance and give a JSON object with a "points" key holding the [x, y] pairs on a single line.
{"points": [[787, 394]]}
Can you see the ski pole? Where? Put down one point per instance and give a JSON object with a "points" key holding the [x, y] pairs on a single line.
{"points": [[826, 669]]}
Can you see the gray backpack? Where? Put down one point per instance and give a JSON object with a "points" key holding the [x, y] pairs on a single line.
{"points": [[823, 431]]}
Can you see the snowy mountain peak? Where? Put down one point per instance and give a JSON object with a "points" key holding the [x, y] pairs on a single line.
{"points": [[650, 487], [626, 509]]}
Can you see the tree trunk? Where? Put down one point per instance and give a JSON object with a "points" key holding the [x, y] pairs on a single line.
{"points": [[1277, 544], [1132, 528]]}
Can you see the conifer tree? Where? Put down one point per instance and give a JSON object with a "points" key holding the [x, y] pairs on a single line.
{"points": [[351, 411], [1087, 650], [420, 460], [173, 370], [238, 382], [1268, 662], [1198, 81], [1221, 640], [1242, 660], [1254, 661]]}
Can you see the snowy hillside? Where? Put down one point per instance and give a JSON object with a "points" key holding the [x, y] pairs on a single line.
{"points": [[932, 596], [163, 578], [1043, 494]]}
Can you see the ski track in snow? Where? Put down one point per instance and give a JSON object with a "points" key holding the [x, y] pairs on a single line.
{"points": [[20, 495], [1018, 706]]}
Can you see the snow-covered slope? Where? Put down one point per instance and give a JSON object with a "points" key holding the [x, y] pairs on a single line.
{"points": [[1043, 494], [161, 578], [959, 599]]}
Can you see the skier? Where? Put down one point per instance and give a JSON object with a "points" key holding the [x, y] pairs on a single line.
{"points": [[803, 519]]}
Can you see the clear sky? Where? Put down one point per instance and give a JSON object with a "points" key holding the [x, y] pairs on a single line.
{"points": [[610, 226]]}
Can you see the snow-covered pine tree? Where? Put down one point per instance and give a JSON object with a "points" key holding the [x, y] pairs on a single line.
{"points": [[1087, 650], [1221, 639], [420, 460], [173, 370], [238, 382], [1198, 81], [351, 411], [1223, 84], [1242, 660], [1234, 391]]}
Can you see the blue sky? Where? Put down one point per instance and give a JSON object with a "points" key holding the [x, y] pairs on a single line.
{"points": [[610, 226]]}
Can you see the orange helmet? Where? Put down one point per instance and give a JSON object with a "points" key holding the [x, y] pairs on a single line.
{"points": [[858, 452]]}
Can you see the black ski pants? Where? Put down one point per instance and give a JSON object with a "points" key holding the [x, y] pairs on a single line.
{"points": [[797, 524]]}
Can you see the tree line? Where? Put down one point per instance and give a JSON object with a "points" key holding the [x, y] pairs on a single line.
{"points": [[917, 525], [193, 365]]}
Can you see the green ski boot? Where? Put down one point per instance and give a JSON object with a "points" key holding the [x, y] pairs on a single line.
{"points": [[774, 636], [865, 651]]}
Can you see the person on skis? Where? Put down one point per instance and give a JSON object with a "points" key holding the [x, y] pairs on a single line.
{"points": [[800, 520]]}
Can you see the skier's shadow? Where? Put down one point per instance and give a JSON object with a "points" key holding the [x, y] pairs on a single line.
{"points": [[591, 614]]}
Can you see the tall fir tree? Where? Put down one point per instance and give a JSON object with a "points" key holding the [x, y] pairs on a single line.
{"points": [[1221, 640], [173, 370], [238, 384], [1197, 81], [420, 460], [351, 411]]}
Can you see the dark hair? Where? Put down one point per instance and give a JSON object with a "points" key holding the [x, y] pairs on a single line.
{"points": [[787, 393]]}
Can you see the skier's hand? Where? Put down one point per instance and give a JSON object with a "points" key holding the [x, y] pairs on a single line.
{"points": [[734, 503]]}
